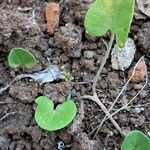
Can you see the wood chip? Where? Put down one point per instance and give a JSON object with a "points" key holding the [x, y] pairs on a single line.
{"points": [[52, 13]]}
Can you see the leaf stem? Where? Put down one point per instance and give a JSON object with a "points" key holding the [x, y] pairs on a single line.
{"points": [[103, 63]]}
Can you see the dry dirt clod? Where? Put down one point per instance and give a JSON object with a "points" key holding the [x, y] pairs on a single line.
{"points": [[121, 58], [144, 6], [24, 93], [68, 38], [82, 142], [87, 65], [88, 54], [35, 132], [52, 13], [139, 74], [144, 37], [57, 91]]}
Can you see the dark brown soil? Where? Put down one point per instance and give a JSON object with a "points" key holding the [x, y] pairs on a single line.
{"points": [[72, 49]]}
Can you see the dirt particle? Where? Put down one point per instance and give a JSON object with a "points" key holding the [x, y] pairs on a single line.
{"points": [[137, 86], [144, 7], [82, 142], [58, 91], [19, 146], [36, 146], [144, 37], [52, 13], [46, 144], [87, 65], [68, 38], [25, 93], [88, 54], [4, 141], [12, 145], [35, 132], [139, 73]]}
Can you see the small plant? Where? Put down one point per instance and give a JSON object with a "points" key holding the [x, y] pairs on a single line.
{"points": [[114, 15], [136, 140], [104, 15], [67, 76], [21, 57], [52, 119]]}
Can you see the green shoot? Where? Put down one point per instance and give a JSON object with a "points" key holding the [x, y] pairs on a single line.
{"points": [[114, 15], [21, 57], [52, 119], [136, 140]]}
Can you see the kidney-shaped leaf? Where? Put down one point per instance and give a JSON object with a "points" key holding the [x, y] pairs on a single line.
{"points": [[114, 15], [21, 57], [136, 140], [54, 119]]}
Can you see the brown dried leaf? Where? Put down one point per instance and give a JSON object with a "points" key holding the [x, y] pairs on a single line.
{"points": [[140, 72]]}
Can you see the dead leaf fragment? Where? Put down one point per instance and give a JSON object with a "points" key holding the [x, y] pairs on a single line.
{"points": [[139, 73], [52, 13]]}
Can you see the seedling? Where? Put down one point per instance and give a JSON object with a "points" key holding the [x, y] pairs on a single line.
{"points": [[52, 119], [104, 15], [114, 15], [21, 57], [136, 140], [67, 76]]}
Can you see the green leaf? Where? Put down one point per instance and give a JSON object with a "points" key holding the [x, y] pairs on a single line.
{"points": [[114, 15], [21, 57], [136, 140], [50, 119]]}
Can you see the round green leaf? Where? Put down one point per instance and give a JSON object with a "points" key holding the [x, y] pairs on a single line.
{"points": [[136, 140], [54, 119], [21, 57], [114, 15]]}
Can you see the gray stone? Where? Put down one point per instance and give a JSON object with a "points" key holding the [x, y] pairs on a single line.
{"points": [[121, 58], [88, 54]]}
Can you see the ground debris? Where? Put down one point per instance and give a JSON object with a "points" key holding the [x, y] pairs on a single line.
{"points": [[52, 13], [144, 37], [139, 72], [144, 6], [48, 75], [121, 58]]}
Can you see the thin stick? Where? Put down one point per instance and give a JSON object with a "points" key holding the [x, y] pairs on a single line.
{"points": [[13, 81], [103, 63], [8, 114], [120, 93], [106, 117], [123, 107]]}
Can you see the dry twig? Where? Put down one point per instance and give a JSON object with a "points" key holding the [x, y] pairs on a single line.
{"points": [[124, 87]]}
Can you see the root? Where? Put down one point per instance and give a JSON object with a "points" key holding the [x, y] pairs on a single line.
{"points": [[124, 87], [8, 114]]}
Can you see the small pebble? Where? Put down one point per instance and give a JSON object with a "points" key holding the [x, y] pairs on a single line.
{"points": [[137, 86], [139, 72], [88, 54], [121, 58], [143, 94]]}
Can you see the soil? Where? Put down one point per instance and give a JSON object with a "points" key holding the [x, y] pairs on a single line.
{"points": [[74, 50]]}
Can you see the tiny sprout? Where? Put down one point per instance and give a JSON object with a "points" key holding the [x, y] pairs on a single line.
{"points": [[136, 140], [21, 57], [52, 119], [67, 76]]}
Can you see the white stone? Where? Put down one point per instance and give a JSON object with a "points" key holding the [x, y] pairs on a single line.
{"points": [[121, 58]]}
